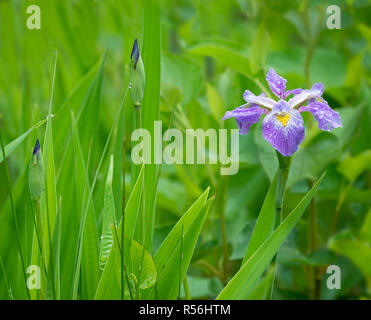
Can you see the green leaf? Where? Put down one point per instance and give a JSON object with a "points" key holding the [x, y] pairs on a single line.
{"points": [[108, 219], [359, 252], [131, 215], [262, 286], [10, 147], [139, 268], [225, 56], [314, 155], [259, 49], [352, 167], [88, 229], [265, 223], [49, 197], [350, 117], [216, 103], [175, 253], [183, 74], [244, 280], [151, 111], [109, 286], [334, 73], [75, 102], [366, 228]]}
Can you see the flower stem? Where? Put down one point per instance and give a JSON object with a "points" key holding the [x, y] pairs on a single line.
{"points": [[137, 125], [282, 175], [186, 289], [223, 223]]}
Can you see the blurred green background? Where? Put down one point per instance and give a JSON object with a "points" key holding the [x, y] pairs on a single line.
{"points": [[211, 52]]}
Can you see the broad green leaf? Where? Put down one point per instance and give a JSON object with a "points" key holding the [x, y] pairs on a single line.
{"points": [[244, 280], [108, 219], [359, 252], [175, 253], [262, 286], [352, 167], [109, 287], [75, 102], [265, 223], [216, 103], [183, 74], [10, 147], [151, 111], [314, 155], [88, 230], [334, 73], [72, 196], [259, 49], [132, 209], [49, 197], [366, 228], [366, 31], [90, 112], [350, 118], [139, 270], [224, 55]]}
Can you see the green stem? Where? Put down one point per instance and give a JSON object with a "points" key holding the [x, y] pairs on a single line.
{"points": [[186, 289], [36, 216], [137, 125], [282, 176], [123, 221], [223, 223]]}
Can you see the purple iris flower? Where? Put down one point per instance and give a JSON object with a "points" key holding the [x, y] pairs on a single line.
{"points": [[283, 125]]}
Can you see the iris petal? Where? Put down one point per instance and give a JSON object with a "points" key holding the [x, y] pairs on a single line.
{"points": [[327, 118], [284, 131], [276, 83], [261, 100], [305, 95], [294, 91], [245, 117]]}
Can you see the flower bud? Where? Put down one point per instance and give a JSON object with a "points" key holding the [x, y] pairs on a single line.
{"points": [[136, 76], [36, 173]]}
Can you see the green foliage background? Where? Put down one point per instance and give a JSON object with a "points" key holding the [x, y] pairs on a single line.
{"points": [[199, 57]]}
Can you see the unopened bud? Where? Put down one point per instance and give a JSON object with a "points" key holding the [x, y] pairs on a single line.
{"points": [[36, 173], [136, 76]]}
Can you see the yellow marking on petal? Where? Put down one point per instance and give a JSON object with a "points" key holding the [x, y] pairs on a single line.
{"points": [[283, 118], [319, 99]]}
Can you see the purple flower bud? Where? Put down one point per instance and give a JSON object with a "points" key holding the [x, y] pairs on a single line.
{"points": [[135, 54], [37, 147], [136, 76]]}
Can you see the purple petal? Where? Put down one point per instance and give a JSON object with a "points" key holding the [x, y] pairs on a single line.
{"points": [[276, 83], [294, 91], [327, 118], [245, 117], [135, 53], [305, 95], [261, 100], [284, 130]]}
